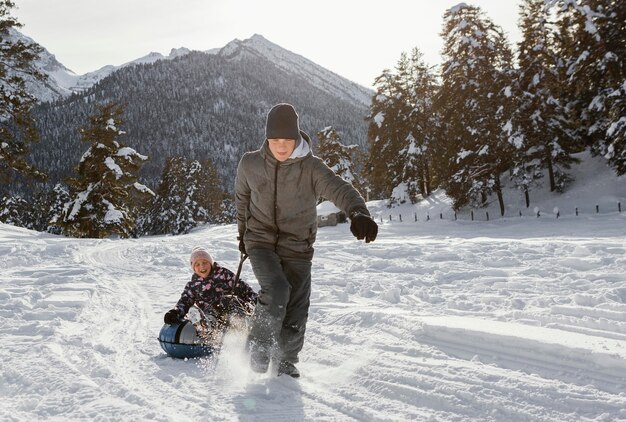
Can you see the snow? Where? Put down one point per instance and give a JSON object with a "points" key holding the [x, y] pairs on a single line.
{"points": [[77, 205], [112, 165], [512, 319]]}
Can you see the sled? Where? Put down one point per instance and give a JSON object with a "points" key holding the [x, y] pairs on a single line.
{"points": [[181, 341], [198, 336]]}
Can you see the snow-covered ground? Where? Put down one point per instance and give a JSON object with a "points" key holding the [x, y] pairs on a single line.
{"points": [[515, 319]]}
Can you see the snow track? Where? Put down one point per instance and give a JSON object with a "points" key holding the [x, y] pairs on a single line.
{"points": [[454, 322]]}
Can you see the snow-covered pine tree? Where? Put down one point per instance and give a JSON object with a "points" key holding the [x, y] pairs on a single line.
{"points": [[593, 41], [38, 212], [208, 195], [17, 127], [423, 121], [170, 213], [188, 195], [105, 193], [386, 134], [337, 156], [472, 102], [540, 130], [401, 113], [51, 203], [13, 210]]}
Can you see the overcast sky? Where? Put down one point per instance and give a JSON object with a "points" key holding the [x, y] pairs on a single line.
{"points": [[356, 39]]}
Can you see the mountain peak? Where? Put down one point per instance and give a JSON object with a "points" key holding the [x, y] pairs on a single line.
{"points": [[258, 45]]}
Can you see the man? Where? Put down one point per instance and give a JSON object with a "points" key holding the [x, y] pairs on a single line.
{"points": [[276, 193]]}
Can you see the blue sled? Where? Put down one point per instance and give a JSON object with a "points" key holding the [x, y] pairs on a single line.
{"points": [[181, 341]]}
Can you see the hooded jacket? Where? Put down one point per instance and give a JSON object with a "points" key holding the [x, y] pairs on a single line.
{"points": [[276, 201]]}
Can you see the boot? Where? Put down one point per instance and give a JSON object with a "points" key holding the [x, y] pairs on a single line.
{"points": [[288, 368], [259, 357]]}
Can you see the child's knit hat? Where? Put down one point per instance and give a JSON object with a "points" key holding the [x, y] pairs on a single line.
{"points": [[200, 253]]}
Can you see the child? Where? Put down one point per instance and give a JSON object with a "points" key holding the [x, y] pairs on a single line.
{"points": [[214, 290]]}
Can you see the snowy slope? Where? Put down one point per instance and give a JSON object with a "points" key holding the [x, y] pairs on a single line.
{"points": [[595, 190], [514, 319]]}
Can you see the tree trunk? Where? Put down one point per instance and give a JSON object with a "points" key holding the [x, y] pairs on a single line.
{"points": [[427, 187], [498, 189], [527, 197], [550, 170]]}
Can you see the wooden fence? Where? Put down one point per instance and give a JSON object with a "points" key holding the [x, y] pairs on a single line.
{"points": [[478, 215]]}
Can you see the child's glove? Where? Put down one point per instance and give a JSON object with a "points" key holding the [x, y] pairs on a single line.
{"points": [[363, 227], [171, 317]]}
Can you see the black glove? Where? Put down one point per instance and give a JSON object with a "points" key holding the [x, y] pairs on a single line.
{"points": [[363, 227], [242, 246], [171, 317]]}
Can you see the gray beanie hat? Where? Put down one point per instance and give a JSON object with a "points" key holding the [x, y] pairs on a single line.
{"points": [[200, 253], [282, 123]]}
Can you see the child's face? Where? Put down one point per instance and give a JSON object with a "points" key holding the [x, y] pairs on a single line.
{"points": [[202, 267]]}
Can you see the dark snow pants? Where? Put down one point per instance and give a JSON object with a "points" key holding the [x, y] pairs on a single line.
{"points": [[282, 309]]}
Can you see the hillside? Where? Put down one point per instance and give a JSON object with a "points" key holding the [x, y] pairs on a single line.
{"points": [[594, 184]]}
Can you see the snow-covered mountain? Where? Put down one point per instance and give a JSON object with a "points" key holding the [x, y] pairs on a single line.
{"points": [[326, 80], [74, 83], [63, 81]]}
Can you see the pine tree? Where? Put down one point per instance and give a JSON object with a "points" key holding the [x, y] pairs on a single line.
{"points": [[542, 137], [386, 134], [52, 204], [209, 196], [420, 87], [188, 195], [593, 42], [473, 102], [13, 211], [337, 156], [402, 113], [104, 195], [17, 127]]}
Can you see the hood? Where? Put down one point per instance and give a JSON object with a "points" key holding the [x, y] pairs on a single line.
{"points": [[303, 149]]}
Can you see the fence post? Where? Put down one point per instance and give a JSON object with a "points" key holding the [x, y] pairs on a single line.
{"points": [[416, 217], [441, 216], [454, 215], [487, 214], [619, 206], [472, 214], [389, 217], [576, 211], [427, 217], [597, 209], [401, 218]]}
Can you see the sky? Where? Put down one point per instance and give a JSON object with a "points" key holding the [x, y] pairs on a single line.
{"points": [[356, 39]]}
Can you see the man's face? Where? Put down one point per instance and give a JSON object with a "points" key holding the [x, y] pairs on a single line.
{"points": [[282, 148]]}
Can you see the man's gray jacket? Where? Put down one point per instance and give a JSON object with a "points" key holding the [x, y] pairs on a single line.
{"points": [[276, 201]]}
